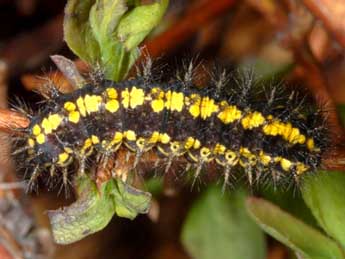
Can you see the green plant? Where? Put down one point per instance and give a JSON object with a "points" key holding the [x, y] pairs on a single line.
{"points": [[324, 194]]}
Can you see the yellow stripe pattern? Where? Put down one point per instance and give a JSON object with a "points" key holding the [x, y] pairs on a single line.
{"points": [[199, 107]]}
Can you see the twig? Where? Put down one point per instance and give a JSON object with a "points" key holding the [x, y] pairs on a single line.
{"points": [[10, 121], [12, 185]]}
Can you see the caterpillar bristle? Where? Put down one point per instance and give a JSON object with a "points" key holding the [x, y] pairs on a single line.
{"points": [[145, 70], [20, 150], [20, 106], [32, 183], [96, 75]]}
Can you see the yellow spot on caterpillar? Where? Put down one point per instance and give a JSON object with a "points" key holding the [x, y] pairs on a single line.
{"points": [[55, 121], [87, 148], [168, 100], [41, 138], [301, 139], [189, 143], [250, 157], [74, 116], [284, 129], [137, 97], [63, 158], [130, 135], [252, 120], [154, 137], [229, 114], [205, 154], [157, 102], [87, 144], [36, 130], [290, 134], [112, 106], [125, 98], [174, 101], [296, 136], [264, 158], [197, 144], [192, 143], [194, 108], [175, 147], [310, 144], [94, 139], [219, 149], [140, 143], [164, 138], [46, 126], [92, 103], [117, 137], [31, 142], [271, 128], [277, 159], [208, 107], [111, 93], [285, 164], [68, 150], [157, 105], [301, 168], [231, 158], [81, 106], [157, 92], [245, 152], [69, 106]]}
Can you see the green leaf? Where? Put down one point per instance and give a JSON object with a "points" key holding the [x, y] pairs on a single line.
{"points": [[218, 226], [265, 71], [131, 3], [303, 239], [139, 22], [104, 18], [324, 193], [90, 213], [105, 32], [154, 186], [94, 209], [129, 201], [77, 30], [288, 200]]}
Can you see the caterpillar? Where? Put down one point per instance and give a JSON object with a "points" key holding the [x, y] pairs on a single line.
{"points": [[232, 127]]}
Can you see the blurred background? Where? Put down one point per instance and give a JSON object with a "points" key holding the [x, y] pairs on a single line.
{"points": [[298, 42]]}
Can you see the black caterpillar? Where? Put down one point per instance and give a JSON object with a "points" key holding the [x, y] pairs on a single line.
{"points": [[228, 126]]}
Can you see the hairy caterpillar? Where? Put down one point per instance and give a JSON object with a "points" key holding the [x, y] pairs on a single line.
{"points": [[229, 126]]}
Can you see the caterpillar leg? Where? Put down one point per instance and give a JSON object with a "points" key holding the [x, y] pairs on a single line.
{"points": [[226, 182], [82, 165], [250, 175], [65, 182], [197, 172], [169, 163], [52, 175], [33, 179]]}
